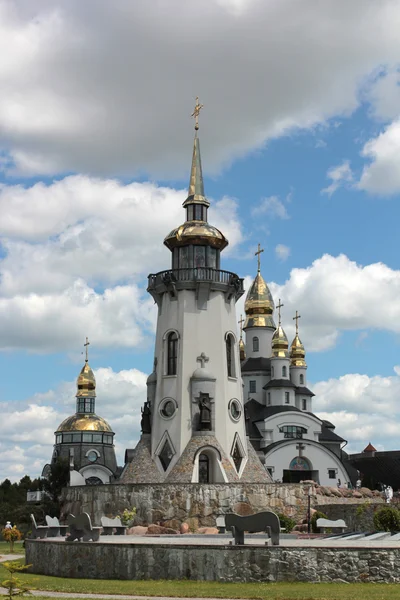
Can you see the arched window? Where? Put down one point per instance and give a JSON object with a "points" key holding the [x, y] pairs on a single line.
{"points": [[230, 355], [256, 344], [172, 350], [302, 379], [204, 468], [284, 371]]}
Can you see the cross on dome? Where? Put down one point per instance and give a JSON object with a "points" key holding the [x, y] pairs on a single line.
{"points": [[196, 112], [279, 306], [259, 250], [240, 322], [86, 346], [202, 359], [296, 318]]}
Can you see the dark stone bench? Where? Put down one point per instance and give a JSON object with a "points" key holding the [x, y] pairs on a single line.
{"points": [[80, 528], [110, 524], [266, 521]]}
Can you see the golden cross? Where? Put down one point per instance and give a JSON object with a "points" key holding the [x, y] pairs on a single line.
{"points": [[279, 306], [296, 318], [196, 113], [86, 349], [241, 321], [258, 256]]}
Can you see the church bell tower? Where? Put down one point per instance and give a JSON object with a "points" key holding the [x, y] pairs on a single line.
{"points": [[193, 423]]}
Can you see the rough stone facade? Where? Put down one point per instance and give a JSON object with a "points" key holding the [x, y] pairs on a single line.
{"points": [[198, 504], [358, 517], [223, 563]]}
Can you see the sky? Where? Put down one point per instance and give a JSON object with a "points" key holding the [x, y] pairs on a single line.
{"points": [[300, 143]]}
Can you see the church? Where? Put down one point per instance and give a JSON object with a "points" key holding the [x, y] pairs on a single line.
{"points": [[218, 409]]}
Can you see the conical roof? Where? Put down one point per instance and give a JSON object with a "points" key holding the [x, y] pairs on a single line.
{"points": [[259, 305], [86, 382], [297, 353]]}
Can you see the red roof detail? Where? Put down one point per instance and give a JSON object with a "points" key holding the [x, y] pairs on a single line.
{"points": [[369, 448]]}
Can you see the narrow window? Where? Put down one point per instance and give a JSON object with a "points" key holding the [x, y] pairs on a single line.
{"points": [[302, 379], [272, 372], [172, 343], [230, 356], [284, 371], [332, 473], [304, 401], [252, 387], [256, 344], [268, 398], [190, 212], [204, 469], [287, 398]]}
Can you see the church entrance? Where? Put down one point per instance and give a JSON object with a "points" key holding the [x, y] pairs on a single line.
{"points": [[300, 469]]}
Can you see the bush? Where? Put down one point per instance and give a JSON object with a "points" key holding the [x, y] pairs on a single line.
{"points": [[11, 535], [317, 515], [387, 519], [286, 522]]}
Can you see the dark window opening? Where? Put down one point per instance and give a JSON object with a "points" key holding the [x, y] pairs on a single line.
{"points": [[204, 468], [230, 356], [252, 387], [256, 344], [85, 405], [172, 344], [284, 371], [287, 398], [293, 431], [304, 403], [166, 455], [332, 473], [237, 457], [93, 481], [302, 379]]}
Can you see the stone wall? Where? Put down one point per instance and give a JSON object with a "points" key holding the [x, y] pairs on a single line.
{"points": [[358, 517], [198, 504], [223, 563]]}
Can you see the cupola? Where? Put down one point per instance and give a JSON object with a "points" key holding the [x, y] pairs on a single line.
{"points": [[297, 351], [280, 342], [259, 305]]}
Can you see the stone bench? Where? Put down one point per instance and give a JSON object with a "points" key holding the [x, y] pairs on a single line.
{"points": [[38, 531], [110, 524], [220, 524], [80, 528], [266, 521], [337, 526], [55, 529]]}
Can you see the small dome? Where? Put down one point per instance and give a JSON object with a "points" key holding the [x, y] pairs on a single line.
{"points": [[203, 374], [280, 343], [152, 378], [80, 422], [86, 382], [297, 353], [196, 232], [259, 305]]}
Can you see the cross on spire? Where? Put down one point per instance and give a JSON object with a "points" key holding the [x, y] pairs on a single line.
{"points": [[202, 359], [240, 322], [279, 306], [196, 112], [296, 318], [259, 250], [86, 346]]}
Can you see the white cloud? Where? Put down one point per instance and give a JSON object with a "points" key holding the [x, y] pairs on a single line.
{"points": [[87, 96], [384, 94], [282, 252], [364, 409], [340, 175], [271, 207], [382, 174], [77, 253]]}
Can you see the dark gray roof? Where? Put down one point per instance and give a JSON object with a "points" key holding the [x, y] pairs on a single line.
{"points": [[328, 435], [278, 383], [328, 424], [256, 364], [304, 390]]}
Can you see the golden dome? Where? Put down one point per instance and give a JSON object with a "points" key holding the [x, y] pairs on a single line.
{"points": [[242, 349], [280, 343], [196, 232], [259, 305], [297, 353], [81, 422], [86, 383]]}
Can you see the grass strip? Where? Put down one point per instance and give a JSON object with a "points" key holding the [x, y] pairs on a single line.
{"points": [[212, 589]]}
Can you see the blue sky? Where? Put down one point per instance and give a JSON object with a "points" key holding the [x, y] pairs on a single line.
{"points": [[300, 141]]}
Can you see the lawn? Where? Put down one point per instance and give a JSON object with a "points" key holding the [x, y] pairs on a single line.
{"points": [[213, 589], [5, 548]]}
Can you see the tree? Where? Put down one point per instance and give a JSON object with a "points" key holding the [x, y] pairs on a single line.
{"points": [[57, 479]]}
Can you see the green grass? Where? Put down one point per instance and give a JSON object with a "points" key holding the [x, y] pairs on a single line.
{"points": [[5, 548], [213, 589]]}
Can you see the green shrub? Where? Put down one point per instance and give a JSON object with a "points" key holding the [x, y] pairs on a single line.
{"points": [[387, 519], [317, 515], [286, 522]]}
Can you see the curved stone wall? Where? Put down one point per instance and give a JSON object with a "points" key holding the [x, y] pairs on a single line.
{"points": [[223, 563]]}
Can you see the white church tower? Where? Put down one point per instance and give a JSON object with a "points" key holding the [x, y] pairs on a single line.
{"points": [[193, 423]]}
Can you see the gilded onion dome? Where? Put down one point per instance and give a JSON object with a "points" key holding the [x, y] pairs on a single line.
{"points": [[86, 382], [80, 422], [297, 353], [280, 343], [242, 350], [259, 305]]}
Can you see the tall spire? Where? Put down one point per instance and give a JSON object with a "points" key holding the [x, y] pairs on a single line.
{"points": [[196, 184]]}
